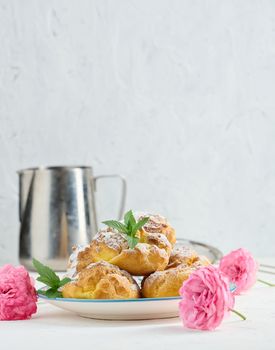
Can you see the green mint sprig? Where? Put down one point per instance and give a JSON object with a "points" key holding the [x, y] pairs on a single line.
{"points": [[50, 278], [129, 227]]}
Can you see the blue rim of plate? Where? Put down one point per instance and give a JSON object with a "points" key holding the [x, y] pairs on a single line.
{"points": [[74, 300], [138, 300]]}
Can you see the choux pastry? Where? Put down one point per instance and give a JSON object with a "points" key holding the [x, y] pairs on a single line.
{"points": [[141, 245], [106, 245], [183, 261], [186, 255], [158, 224], [149, 255], [182, 255], [165, 283], [102, 280], [144, 258]]}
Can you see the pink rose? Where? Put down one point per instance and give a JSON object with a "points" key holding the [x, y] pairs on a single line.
{"points": [[206, 299], [241, 269], [17, 293]]}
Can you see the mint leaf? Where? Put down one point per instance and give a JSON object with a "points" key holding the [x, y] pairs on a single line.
{"points": [[47, 281], [64, 281], [129, 228], [132, 241], [50, 293], [53, 293], [50, 278], [41, 291], [116, 225], [47, 275], [129, 220], [139, 225], [127, 217]]}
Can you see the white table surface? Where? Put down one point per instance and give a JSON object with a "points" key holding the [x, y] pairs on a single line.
{"points": [[52, 328]]}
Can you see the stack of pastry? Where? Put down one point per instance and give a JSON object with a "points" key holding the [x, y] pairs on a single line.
{"points": [[104, 269]]}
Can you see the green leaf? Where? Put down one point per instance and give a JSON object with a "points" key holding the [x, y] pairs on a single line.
{"points": [[46, 281], [116, 225], [139, 225], [129, 228], [132, 221], [132, 241], [50, 278], [47, 275], [64, 281], [53, 293], [129, 220], [127, 217], [41, 291], [50, 293]]}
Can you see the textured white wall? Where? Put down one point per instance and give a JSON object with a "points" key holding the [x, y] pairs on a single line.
{"points": [[176, 95]]}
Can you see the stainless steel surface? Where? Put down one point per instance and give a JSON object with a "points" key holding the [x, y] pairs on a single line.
{"points": [[212, 253], [57, 210]]}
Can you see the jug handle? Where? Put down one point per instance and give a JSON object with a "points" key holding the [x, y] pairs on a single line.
{"points": [[123, 192]]}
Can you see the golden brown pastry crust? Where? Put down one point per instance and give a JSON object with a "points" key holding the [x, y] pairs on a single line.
{"points": [[106, 245], [102, 280], [157, 239], [142, 260], [182, 255], [165, 283], [151, 254], [158, 224]]}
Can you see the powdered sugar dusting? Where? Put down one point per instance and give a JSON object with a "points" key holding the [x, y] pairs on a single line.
{"points": [[112, 239], [73, 261], [155, 223]]}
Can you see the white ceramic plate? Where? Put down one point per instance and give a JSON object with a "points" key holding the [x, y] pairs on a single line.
{"points": [[130, 309]]}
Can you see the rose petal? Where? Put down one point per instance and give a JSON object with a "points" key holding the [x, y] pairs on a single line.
{"points": [[206, 299], [17, 294]]}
